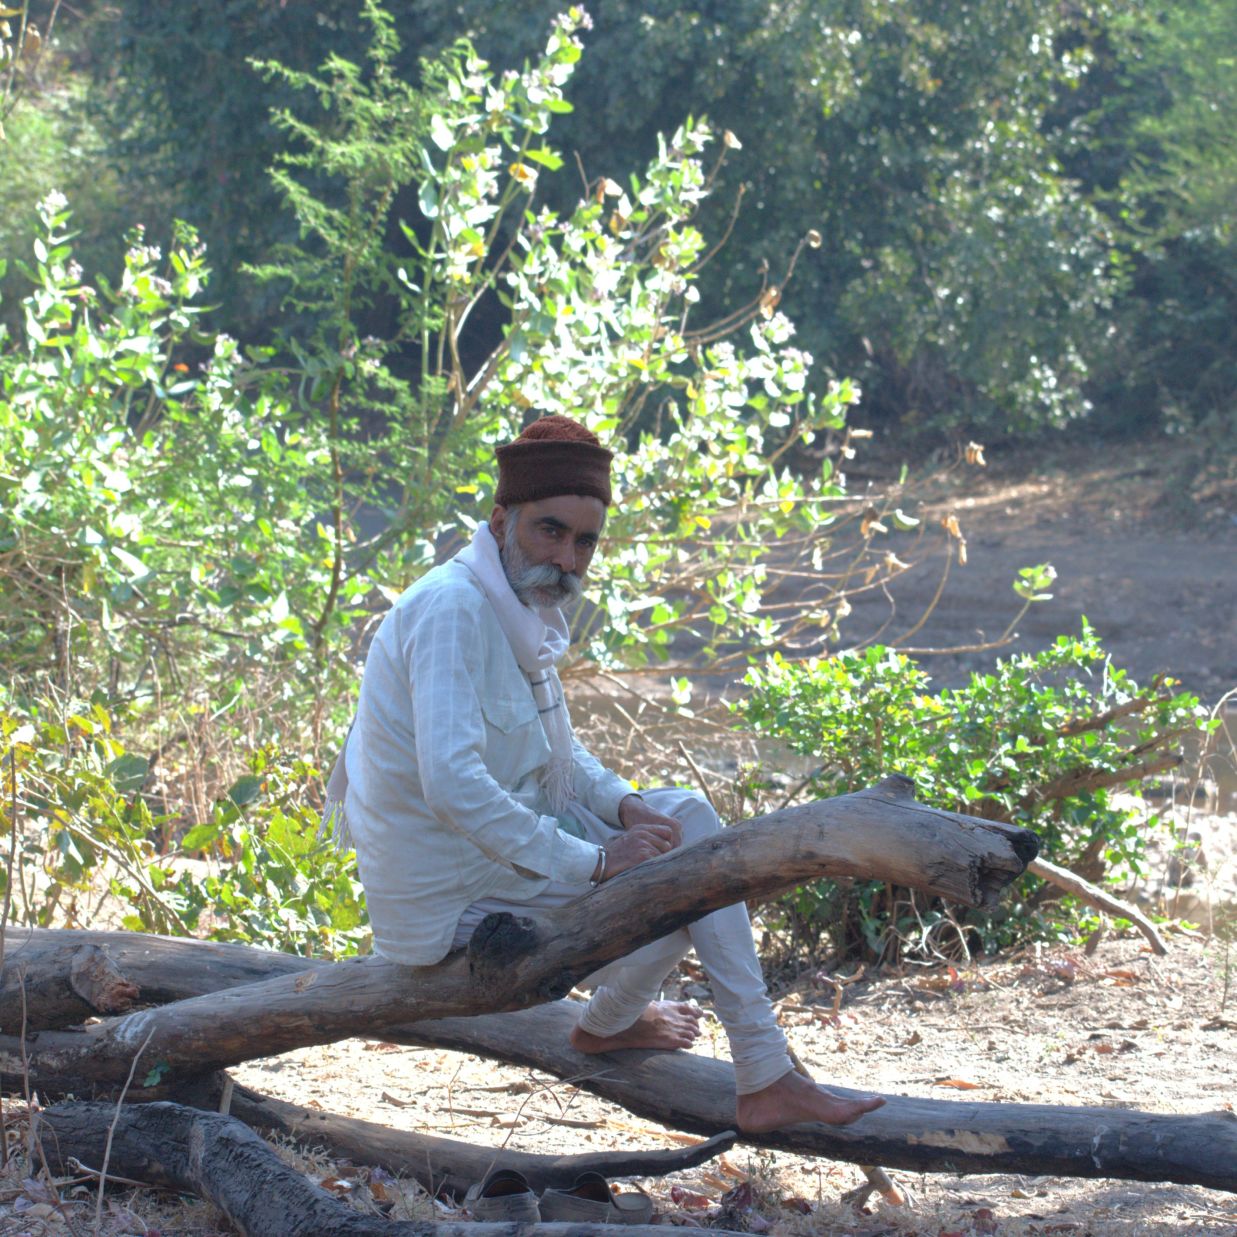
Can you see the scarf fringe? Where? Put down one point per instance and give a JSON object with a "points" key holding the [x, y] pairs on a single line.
{"points": [[334, 821], [557, 782], [335, 825]]}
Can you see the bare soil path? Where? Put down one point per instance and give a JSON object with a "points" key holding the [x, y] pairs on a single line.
{"points": [[1151, 562]]}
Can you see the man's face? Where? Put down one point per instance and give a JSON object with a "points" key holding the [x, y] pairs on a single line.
{"points": [[547, 545]]}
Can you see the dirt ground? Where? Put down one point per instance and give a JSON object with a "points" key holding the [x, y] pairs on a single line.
{"points": [[1149, 558], [1155, 569]]}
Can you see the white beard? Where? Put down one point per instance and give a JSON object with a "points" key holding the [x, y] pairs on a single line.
{"points": [[540, 586]]}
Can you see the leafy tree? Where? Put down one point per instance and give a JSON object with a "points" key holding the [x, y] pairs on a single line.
{"points": [[157, 530], [1155, 148], [600, 306], [962, 277]]}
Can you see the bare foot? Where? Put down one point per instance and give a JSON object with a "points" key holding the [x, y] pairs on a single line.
{"points": [[664, 1024], [793, 1099]]}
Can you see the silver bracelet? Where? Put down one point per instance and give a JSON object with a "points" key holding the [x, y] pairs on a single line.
{"points": [[602, 874]]}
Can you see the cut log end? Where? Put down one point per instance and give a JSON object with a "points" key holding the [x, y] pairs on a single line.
{"points": [[501, 939], [97, 980], [895, 786]]}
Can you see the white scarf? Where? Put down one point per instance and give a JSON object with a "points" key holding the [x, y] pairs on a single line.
{"points": [[538, 638]]}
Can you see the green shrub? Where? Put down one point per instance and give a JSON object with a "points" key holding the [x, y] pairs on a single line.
{"points": [[1043, 741], [158, 496], [85, 834]]}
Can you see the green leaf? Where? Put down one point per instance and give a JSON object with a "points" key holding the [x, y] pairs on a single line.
{"points": [[546, 157], [128, 773], [245, 789], [200, 836], [157, 1074]]}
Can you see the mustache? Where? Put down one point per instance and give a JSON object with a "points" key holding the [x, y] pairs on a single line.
{"points": [[547, 580]]}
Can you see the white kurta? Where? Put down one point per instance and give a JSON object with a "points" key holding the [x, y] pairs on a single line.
{"points": [[443, 801]]}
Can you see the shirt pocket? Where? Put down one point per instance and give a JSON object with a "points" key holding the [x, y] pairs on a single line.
{"points": [[506, 713], [515, 742]]}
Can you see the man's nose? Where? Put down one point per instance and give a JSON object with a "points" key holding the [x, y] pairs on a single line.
{"points": [[565, 558]]}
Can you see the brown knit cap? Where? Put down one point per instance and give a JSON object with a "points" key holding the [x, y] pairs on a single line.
{"points": [[554, 455]]}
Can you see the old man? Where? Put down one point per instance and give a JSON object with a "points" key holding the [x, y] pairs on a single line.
{"points": [[467, 793]]}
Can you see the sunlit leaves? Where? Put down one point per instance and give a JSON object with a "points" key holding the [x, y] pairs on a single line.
{"points": [[1043, 740]]}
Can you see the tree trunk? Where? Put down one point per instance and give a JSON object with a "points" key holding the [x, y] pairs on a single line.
{"points": [[221, 1160], [697, 1094], [513, 962]]}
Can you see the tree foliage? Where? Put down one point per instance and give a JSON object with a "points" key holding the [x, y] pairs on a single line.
{"points": [[1044, 740], [973, 271]]}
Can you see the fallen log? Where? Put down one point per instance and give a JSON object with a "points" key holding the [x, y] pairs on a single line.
{"points": [[696, 1094], [220, 1159], [59, 977], [447, 1165], [513, 962]]}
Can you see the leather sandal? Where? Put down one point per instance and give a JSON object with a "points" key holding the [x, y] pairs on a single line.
{"points": [[589, 1201], [503, 1195]]}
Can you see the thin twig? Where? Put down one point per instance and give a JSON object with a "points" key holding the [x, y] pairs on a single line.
{"points": [[93, 1174], [698, 771], [8, 884], [4, 920], [111, 1130]]}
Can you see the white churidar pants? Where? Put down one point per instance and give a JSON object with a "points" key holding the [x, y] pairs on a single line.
{"points": [[722, 941]]}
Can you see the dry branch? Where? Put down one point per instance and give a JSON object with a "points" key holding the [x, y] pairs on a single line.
{"points": [[447, 1165], [1092, 895], [220, 1159], [512, 962]]}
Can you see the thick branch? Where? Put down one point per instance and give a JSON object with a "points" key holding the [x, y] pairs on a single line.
{"points": [[447, 1165], [220, 1159], [1076, 781], [511, 962]]}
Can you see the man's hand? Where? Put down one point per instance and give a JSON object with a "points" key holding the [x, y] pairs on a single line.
{"points": [[633, 811], [646, 835]]}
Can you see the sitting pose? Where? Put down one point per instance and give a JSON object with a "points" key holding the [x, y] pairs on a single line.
{"points": [[465, 792]]}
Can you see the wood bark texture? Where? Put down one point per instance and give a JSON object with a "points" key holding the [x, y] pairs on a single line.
{"points": [[696, 1094], [513, 962], [447, 1165], [220, 1159]]}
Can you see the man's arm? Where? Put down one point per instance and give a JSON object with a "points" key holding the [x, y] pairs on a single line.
{"points": [[601, 790], [442, 654]]}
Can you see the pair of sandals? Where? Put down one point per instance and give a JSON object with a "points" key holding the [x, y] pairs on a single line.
{"points": [[505, 1195]]}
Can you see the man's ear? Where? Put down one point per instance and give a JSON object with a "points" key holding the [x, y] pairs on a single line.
{"points": [[498, 523]]}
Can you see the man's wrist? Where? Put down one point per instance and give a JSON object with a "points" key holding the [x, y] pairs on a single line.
{"points": [[599, 872], [624, 801]]}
